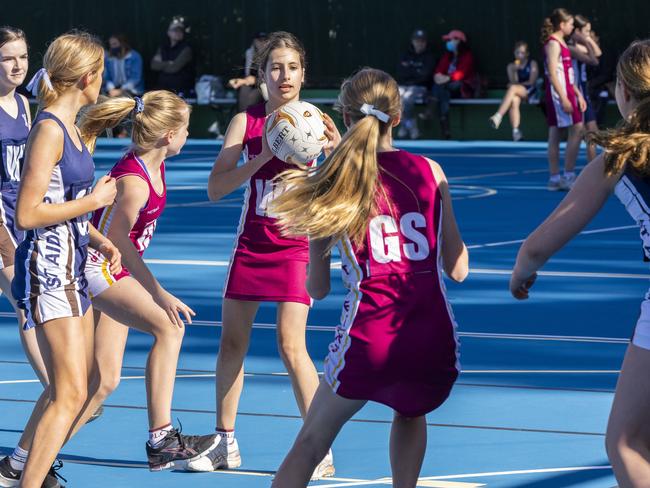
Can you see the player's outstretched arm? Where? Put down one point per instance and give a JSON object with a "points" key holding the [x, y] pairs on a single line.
{"points": [[226, 176], [575, 211]]}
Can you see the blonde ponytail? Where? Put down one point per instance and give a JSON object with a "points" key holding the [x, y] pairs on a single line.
{"points": [[338, 197], [104, 115], [67, 59], [162, 111], [629, 143]]}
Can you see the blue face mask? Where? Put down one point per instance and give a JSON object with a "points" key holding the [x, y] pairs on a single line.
{"points": [[451, 45]]}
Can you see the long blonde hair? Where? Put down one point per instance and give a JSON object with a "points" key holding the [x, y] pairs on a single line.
{"points": [[339, 196], [162, 111], [67, 59], [630, 141]]}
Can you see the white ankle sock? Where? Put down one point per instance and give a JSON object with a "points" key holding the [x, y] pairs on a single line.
{"points": [[18, 458], [156, 436], [228, 434]]}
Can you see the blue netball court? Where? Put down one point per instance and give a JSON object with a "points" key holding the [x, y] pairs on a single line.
{"points": [[529, 410]]}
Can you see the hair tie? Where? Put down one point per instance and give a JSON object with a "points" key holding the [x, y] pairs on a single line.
{"points": [[371, 110], [139, 105], [41, 74]]}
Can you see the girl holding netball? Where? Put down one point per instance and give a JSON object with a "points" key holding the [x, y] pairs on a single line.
{"points": [[266, 266], [623, 169], [390, 213], [564, 100]]}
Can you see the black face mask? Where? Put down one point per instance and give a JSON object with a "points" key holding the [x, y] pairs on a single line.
{"points": [[115, 51]]}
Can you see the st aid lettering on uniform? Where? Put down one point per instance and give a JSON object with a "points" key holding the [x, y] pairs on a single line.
{"points": [[53, 249], [385, 240]]}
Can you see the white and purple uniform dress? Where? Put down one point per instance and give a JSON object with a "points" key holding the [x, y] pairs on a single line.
{"points": [[266, 266], [50, 281], [633, 190], [555, 114], [396, 343], [13, 137]]}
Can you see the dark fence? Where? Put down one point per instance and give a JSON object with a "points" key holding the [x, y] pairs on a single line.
{"points": [[340, 35]]}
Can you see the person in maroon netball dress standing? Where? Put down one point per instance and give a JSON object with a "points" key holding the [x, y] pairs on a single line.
{"points": [[389, 212], [266, 266], [564, 101]]}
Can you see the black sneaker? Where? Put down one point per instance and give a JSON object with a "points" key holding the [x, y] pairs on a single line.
{"points": [[98, 413], [10, 477], [53, 477], [176, 449]]}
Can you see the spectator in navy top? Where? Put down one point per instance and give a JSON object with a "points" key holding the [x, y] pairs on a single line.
{"points": [[454, 76], [122, 68], [174, 61], [414, 75]]}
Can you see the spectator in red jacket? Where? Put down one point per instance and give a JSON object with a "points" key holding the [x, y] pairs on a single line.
{"points": [[454, 76]]}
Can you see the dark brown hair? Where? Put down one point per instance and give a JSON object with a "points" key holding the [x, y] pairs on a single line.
{"points": [[9, 34], [278, 40]]}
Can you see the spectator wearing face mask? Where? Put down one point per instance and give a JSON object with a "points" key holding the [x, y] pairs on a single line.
{"points": [[454, 76], [123, 68]]}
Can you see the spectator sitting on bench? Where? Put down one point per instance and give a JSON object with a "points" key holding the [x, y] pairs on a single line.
{"points": [[454, 76], [247, 92], [414, 74], [523, 74], [123, 68]]}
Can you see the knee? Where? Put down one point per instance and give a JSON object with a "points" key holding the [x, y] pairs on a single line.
{"points": [[291, 353], [233, 345], [311, 445], [624, 441], [70, 397], [516, 101], [107, 383], [168, 332]]}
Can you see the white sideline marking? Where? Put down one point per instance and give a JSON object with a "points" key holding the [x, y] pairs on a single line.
{"points": [[477, 335], [584, 232], [566, 274], [469, 475]]}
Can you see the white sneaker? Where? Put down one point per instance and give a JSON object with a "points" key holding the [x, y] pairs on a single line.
{"points": [[325, 469], [495, 120], [517, 135], [567, 181], [225, 455], [555, 184]]}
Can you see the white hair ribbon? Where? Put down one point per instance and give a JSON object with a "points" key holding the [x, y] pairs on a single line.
{"points": [[371, 110], [41, 74]]}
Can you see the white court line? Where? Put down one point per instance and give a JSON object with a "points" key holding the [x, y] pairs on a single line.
{"points": [[336, 265], [477, 335], [566, 274], [283, 375], [584, 232], [471, 475]]}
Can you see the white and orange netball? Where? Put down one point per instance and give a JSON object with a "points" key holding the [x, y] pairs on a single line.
{"points": [[296, 131]]}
